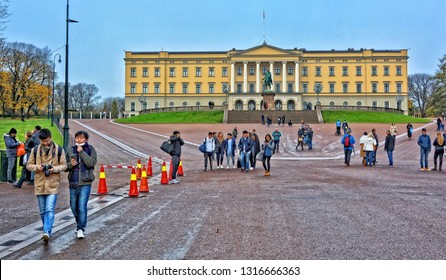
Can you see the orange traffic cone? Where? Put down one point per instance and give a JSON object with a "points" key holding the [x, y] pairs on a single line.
{"points": [[180, 169], [138, 170], [170, 170], [149, 168], [164, 180], [144, 185], [102, 188], [133, 192]]}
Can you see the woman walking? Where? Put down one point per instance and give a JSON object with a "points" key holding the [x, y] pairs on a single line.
{"points": [[439, 150], [219, 151], [268, 148], [369, 144]]}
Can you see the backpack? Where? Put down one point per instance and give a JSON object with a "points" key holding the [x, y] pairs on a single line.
{"points": [[347, 141], [59, 153]]}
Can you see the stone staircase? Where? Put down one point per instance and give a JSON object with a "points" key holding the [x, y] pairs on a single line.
{"points": [[255, 116]]}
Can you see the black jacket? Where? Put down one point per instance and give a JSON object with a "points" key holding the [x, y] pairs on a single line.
{"points": [[177, 143], [389, 145]]}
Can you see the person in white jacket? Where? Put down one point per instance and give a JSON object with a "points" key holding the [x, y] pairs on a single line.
{"points": [[369, 144]]}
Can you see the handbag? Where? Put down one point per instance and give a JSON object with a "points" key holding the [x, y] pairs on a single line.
{"points": [[167, 147], [259, 156], [202, 148], [21, 149]]}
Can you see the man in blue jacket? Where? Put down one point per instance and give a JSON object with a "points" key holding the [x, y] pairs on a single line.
{"points": [[348, 141], [424, 141], [245, 146]]}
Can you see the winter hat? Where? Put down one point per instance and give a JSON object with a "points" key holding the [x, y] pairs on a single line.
{"points": [[13, 131]]}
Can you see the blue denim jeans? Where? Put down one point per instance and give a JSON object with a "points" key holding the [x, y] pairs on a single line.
{"points": [[244, 159], [369, 157], [424, 156], [47, 204], [12, 161], [230, 156], [390, 156], [78, 202]]}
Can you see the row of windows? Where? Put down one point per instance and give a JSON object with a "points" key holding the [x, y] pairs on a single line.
{"points": [[277, 71], [359, 87], [252, 105], [172, 88]]}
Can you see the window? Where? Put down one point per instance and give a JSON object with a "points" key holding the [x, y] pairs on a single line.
{"points": [[344, 70], [386, 104], [318, 70], [197, 88], [133, 72], [145, 72], [251, 88], [358, 87], [172, 71], [239, 88], [374, 71], [157, 105], [304, 88], [277, 71], [332, 87], [157, 88], [290, 70], [332, 103], [211, 72], [398, 71], [132, 88], [386, 70], [211, 88], [345, 88], [171, 104], [345, 104], [290, 88], [185, 87], [157, 71], [386, 87], [398, 87], [239, 71], [277, 87], [198, 72], [358, 103], [358, 70], [305, 71], [132, 106], [264, 70], [331, 71], [185, 72], [374, 104], [145, 88], [198, 104], [374, 87], [172, 88], [224, 71], [184, 104], [251, 71]]}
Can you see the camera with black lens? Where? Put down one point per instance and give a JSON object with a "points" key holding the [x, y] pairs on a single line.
{"points": [[46, 169]]}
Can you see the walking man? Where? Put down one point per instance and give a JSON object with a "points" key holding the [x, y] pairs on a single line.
{"points": [[176, 154], [276, 138], [348, 141], [424, 141]]}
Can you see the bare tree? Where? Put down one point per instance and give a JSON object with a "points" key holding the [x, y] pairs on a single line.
{"points": [[4, 15], [421, 87]]}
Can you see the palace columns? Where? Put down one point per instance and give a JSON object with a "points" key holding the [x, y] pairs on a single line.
{"points": [[258, 76], [284, 76], [232, 77], [245, 77], [296, 79]]}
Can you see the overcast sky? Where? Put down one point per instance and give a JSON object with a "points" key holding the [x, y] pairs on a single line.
{"points": [[108, 27]]}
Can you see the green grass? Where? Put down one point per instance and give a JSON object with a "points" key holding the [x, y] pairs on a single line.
{"points": [[28, 125], [369, 117], [177, 117]]}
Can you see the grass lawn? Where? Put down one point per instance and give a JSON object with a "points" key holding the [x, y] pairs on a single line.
{"points": [[369, 117], [28, 125], [177, 117]]}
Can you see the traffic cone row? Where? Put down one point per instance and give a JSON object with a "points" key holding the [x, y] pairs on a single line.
{"points": [[138, 170], [180, 169], [102, 188], [144, 185]]}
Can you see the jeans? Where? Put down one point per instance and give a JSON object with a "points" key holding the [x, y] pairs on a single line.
{"points": [[369, 157], [276, 144], [175, 164], [78, 203], [219, 158], [347, 156], [310, 144], [12, 161], [244, 159], [266, 162], [390, 156], [230, 156], [208, 155], [424, 155], [47, 204]]}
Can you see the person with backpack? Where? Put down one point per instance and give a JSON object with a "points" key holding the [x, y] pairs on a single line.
{"points": [[345, 126], [11, 152], [348, 141], [409, 128], [439, 144], [210, 148], [80, 167], [29, 144], [47, 160]]}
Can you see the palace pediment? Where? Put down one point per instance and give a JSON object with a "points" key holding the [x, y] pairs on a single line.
{"points": [[264, 51]]}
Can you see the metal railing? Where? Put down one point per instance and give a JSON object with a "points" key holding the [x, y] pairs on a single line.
{"points": [[185, 108], [360, 108]]}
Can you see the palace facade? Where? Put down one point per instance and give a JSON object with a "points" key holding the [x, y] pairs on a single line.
{"points": [[301, 78]]}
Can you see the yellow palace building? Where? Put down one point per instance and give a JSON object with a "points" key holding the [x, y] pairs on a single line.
{"points": [[301, 78]]}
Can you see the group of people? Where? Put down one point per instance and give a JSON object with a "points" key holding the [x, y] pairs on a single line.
{"points": [[280, 120], [304, 136], [45, 160], [369, 143]]}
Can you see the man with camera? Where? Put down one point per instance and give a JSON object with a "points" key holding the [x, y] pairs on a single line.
{"points": [[47, 160]]}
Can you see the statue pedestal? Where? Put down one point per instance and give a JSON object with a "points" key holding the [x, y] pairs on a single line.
{"points": [[268, 97]]}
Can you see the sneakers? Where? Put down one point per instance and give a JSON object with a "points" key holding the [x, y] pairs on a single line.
{"points": [[174, 181], [46, 237], [11, 181], [80, 234], [16, 185], [227, 167], [251, 168], [234, 166]]}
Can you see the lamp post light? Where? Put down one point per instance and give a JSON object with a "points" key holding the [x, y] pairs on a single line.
{"points": [[318, 88], [66, 129], [54, 77]]}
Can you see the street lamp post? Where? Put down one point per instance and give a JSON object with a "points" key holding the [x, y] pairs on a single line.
{"points": [[318, 88], [54, 77], [66, 129]]}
